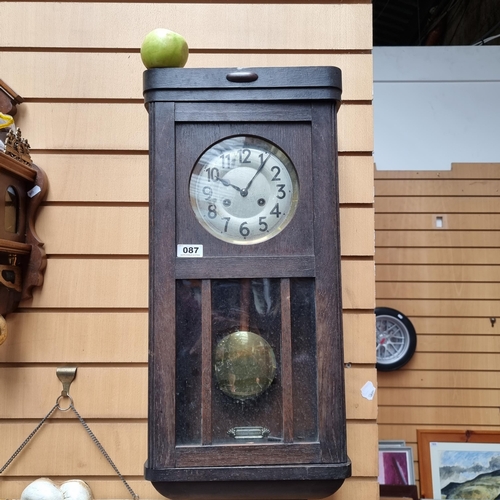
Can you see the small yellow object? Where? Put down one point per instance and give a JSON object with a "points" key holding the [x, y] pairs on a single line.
{"points": [[6, 119]]}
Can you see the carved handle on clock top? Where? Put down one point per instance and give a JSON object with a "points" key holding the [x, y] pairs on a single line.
{"points": [[242, 76]]}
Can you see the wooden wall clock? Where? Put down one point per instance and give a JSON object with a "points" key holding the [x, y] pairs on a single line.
{"points": [[246, 388], [23, 186]]}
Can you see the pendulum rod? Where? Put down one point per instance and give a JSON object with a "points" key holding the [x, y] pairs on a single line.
{"points": [[246, 290]]}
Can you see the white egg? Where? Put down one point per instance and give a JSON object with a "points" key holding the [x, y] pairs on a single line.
{"points": [[42, 489], [45, 489], [75, 489]]}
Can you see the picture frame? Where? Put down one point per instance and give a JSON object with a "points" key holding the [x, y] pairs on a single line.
{"points": [[391, 442], [451, 461], [396, 465]]}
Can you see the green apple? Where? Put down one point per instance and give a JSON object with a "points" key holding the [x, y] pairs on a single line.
{"points": [[163, 48]]}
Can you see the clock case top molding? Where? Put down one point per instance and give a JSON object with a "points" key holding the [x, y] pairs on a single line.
{"points": [[189, 111]]}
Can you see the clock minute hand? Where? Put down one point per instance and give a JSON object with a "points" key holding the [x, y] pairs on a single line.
{"points": [[244, 191]]}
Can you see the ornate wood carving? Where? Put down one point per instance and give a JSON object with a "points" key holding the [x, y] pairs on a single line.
{"points": [[38, 259], [17, 147]]}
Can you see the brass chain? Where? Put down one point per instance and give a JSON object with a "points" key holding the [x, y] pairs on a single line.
{"points": [[103, 451], [27, 440], [90, 433]]}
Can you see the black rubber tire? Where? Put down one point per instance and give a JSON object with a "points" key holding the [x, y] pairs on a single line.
{"points": [[405, 332]]}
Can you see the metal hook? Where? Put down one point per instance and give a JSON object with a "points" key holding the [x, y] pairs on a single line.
{"points": [[66, 375], [493, 321]]}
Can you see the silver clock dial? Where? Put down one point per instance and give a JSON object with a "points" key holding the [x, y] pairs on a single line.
{"points": [[244, 190]]}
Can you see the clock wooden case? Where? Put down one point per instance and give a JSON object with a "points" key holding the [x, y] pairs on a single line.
{"points": [[246, 387]]}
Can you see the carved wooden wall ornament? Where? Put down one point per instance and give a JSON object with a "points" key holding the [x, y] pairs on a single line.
{"points": [[23, 186]]}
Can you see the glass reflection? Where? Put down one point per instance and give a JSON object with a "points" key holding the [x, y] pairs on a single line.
{"points": [[246, 356], [188, 366]]}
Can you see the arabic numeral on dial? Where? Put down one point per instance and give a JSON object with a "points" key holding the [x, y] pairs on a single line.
{"points": [[212, 174], [277, 171], [225, 161], [227, 219], [281, 191], [212, 211], [207, 191], [263, 225], [263, 160], [276, 210], [244, 231], [245, 155]]}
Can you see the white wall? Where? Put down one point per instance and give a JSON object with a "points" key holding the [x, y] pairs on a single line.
{"points": [[434, 106]]}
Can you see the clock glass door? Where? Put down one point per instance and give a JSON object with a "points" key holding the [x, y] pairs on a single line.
{"points": [[241, 375]]}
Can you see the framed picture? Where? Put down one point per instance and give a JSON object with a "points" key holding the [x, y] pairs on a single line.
{"points": [[396, 465], [452, 464]]}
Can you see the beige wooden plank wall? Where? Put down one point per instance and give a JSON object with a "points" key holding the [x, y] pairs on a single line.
{"points": [[77, 64], [447, 281]]}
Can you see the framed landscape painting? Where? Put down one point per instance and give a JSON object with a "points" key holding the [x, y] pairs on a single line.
{"points": [[459, 464]]}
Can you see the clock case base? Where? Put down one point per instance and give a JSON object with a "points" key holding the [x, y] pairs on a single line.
{"points": [[323, 481]]}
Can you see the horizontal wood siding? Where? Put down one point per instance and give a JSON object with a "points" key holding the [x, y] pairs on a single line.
{"points": [[77, 65], [447, 281]]}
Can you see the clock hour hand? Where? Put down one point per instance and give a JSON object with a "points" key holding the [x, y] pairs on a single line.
{"points": [[244, 191], [227, 183]]}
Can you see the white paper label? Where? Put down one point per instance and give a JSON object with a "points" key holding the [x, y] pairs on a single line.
{"points": [[34, 191], [368, 391], [190, 251]]}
